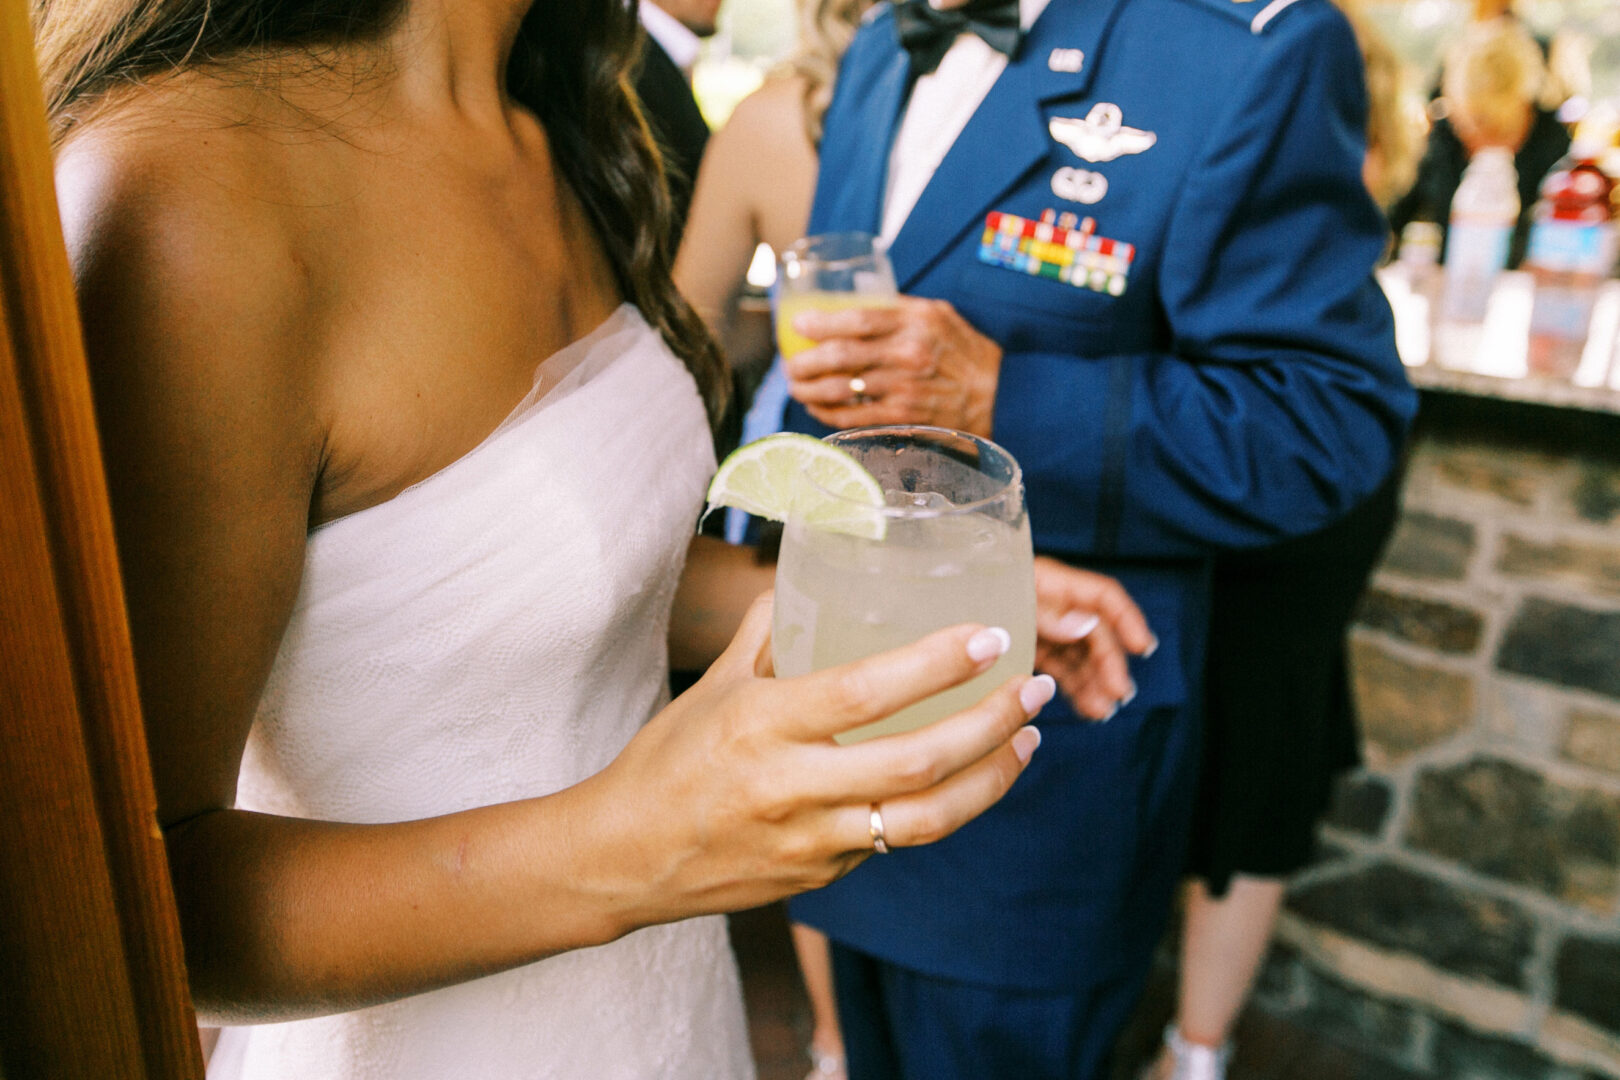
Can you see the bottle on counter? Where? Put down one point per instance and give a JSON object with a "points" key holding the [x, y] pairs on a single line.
{"points": [[1483, 214], [1571, 254], [1412, 283], [1419, 258]]}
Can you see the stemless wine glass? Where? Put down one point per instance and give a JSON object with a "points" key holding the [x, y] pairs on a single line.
{"points": [[828, 273], [954, 548]]}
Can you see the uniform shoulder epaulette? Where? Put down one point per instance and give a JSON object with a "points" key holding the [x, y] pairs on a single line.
{"points": [[1257, 16]]}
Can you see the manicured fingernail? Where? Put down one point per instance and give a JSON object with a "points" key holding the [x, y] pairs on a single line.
{"points": [[1076, 625], [1111, 713], [1153, 646], [988, 644], [1130, 695], [1025, 742], [1034, 694]]}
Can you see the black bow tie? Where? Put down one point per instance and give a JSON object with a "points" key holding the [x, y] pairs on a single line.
{"points": [[927, 32]]}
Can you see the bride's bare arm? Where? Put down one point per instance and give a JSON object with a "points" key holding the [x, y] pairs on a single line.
{"points": [[205, 334], [719, 583]]}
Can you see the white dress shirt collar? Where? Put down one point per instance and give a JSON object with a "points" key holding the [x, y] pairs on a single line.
{"points": [[671, 34], [939, 108]]}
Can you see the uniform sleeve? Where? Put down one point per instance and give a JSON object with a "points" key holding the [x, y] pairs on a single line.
{"points": [[1281, 402]]}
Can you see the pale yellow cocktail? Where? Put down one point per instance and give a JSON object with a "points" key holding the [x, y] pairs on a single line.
{"points": [[789, 341], [830, 272], [954, 548]]}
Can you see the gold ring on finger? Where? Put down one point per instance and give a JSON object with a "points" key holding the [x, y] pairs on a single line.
{"points": [[857, 390], [879, 843]]}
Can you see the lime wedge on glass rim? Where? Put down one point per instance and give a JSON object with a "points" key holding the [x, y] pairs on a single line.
{"points": [[789, 475]]}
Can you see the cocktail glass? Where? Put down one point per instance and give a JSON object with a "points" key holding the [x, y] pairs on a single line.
{"points": [[829, 273], [954, 547]]}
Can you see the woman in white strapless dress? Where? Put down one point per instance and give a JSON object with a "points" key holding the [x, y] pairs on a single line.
{"points": [[404, 428], [494, 633]]}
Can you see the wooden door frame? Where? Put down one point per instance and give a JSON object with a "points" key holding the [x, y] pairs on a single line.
{"points": [[92, 975]]}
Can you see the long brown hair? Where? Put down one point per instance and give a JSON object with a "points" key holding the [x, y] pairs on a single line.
{"points": [[570, 66]]}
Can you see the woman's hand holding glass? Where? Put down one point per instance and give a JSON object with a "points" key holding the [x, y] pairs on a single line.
{"points": [[736, 794]]}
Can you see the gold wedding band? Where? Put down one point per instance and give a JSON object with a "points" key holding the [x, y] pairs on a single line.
{"points": [[879, 844], [857, 389]]}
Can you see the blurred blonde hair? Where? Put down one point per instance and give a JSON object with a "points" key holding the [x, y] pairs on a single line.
{"points": [[826, 27], [1395, 124], [1493, 74]]}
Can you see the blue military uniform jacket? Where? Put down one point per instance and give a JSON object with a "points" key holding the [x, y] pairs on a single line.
{"points": [[1157, 212]]}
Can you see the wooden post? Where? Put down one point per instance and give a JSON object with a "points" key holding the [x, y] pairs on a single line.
{"points": [[92, 976]]}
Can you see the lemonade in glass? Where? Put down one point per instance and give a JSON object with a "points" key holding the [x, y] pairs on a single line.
{"points": [[828, 273], [949, 545]]}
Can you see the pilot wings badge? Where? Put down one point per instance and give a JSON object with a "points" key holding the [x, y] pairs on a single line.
{"points": [[1102, 135]]}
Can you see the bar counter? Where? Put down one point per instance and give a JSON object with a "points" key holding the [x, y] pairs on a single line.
{"points": [[1493, 359]]}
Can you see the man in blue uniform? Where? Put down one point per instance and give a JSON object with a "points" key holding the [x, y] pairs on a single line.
{"points": [[1136, 252]]}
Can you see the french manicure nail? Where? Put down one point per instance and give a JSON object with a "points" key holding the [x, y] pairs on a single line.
{"points": [[1153, 646], [988, 644], [1076, 625], [1130, 695], [1034, 694], [1025, 742], [1111, 713]]}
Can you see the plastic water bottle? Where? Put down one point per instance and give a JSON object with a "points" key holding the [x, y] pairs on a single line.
{"points": [[1571, 252], [1483, 213], [1416, 281], [1419, 259]]}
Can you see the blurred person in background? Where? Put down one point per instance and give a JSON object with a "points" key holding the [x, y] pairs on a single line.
{"points": [[755, 187], [1279, 719], [1395, 124], [673, 36], [1567, 56], [1491, 89]]}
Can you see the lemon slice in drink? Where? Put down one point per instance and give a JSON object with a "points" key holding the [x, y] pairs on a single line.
{"points": [[791, 475]]}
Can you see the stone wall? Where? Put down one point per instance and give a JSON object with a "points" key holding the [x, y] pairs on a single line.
{"points": [[1464, 919]]}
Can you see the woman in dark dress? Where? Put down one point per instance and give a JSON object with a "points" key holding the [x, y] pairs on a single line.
{"points": [[1280, 728]]}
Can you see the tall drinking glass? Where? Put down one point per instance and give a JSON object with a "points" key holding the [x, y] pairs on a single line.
{"points": [[829, 273], [955, 548]]}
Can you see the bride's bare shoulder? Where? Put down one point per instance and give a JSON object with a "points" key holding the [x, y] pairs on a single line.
{"points": [[192, 283], [161, 177], [170, 208]]}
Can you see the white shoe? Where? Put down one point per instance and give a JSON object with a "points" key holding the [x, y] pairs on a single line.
{"points": [[1194, 1061], [825, 1066]]}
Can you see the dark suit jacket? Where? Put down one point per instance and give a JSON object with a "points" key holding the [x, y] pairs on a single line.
{"points": [[677, 125]]}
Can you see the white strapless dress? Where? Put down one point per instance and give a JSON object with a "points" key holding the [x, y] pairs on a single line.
{"points": [[497, 632]]}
